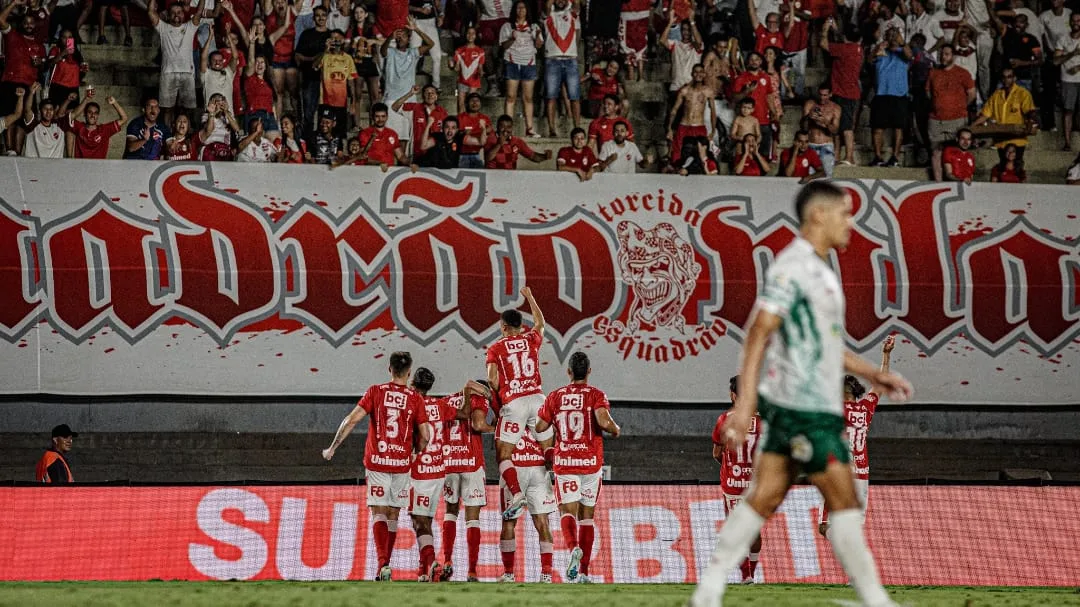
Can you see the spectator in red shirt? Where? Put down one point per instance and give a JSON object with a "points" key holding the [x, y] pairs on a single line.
{"points": [[951, 89], [601, 129], [91, 140], [23, 58], [65, 61], [293, 149], [757, 85], [468, 61], [281, 28], [958, 160], [604, 82], [751, 162], [476, 125], [379, 143], [390, 16], [259, 93], [801, 161], [424, 112], [503, 148], [769, 34], [181, 145], [1008, 170], [577, 158], [847, 63]]}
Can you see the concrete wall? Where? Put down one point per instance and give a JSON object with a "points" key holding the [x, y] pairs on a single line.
{"points": [[323, 417]]}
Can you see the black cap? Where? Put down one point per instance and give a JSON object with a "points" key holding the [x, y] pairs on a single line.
{"points": [[63, 430]]}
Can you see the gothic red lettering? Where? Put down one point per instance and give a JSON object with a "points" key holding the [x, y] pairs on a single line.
{"points": [[19, 300]]}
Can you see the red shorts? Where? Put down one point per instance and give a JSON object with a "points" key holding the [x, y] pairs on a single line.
{"points": [[634, 39], [487, 31], [681, 133]]}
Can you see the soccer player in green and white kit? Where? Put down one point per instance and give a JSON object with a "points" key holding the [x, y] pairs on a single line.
{"points": [[800, 397]]}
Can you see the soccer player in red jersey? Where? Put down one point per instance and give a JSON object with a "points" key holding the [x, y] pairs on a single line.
{"points": [[428, 472], [513, 371], [528, 458], [578, 412], [464, 459], [396, 411], [736, 472], [858, 411]]}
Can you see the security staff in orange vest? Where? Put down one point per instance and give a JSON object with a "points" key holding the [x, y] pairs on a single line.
{"points": [[53, 468]]}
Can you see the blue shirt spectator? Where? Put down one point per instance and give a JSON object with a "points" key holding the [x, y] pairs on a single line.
{"points": [[892, 73], [145, 137]]}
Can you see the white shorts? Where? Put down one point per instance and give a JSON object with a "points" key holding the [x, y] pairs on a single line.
{"points": [[466, 487], [177, 89], [424, 496], [862, 493], [584, 488], [539, 497], [388, 489], [517, 416], [730, 501]]}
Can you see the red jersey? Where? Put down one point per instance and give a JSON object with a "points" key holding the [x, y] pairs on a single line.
{"points": [[471, 125], [1008, 175], [66, 72], [962, 163], [505, 155], [602, 129], [391, 15], [420, 113], [430, 464], [259, 95], [183, 149], [92, 143], [803, 162], [394, 411], [601, 84], [518, 360], [283, 48], [470, 63], [384, 142], [583, 159], [857, 416], [760, 94], [527, 452], [464, 448], [847, 63], [763, 39], [636, 6], [579, 446], [20, 52], [737, 467]]}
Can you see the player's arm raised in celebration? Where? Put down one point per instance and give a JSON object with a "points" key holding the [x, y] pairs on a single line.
{"points": [[892, 385], [886, 353], [534, 309], [603, 418], [736, 426], [346, 427]]}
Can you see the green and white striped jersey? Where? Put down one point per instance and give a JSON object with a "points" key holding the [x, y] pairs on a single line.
{"points": [[804, 360]]}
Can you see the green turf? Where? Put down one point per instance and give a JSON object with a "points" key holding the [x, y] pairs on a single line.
{"points": [[401, 594]]}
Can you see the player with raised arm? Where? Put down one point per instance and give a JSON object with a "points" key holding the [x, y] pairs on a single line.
{"points": [[429, 471], [396, 412], [798, 395], [578, 412], [513, 371], [736, 473], [465, 477], [858, 412], [528, 458]]}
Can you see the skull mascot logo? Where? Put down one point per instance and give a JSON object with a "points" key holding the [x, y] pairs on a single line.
{"points": [[660, 267]]}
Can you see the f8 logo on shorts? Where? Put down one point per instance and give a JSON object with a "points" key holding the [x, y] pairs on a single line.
{"points": [[448, 491], [377, 491], [423, 500], [511, 427], [569, 486]]}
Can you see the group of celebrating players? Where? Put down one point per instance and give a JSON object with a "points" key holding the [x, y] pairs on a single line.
{"points": [[419, 446], [796, 411]]}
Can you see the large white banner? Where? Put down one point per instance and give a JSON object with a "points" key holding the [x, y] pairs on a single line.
{"points": [[128, 277]]}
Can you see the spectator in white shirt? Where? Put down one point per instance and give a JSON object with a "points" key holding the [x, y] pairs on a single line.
{"points": [[1055, 26], [217, 74], [256, 147], [44, 137], [177, 83], [919, 21], [620, 155]]}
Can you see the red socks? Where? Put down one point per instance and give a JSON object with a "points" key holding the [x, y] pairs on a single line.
{"points": [[509, 476], [391, 528], [569, 530], [449, 535], [546, 550], [381, 536], [427, 553], [586, 536], [472, 535], [508, 549]]}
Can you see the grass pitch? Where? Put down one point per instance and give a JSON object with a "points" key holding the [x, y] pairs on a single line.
{"points": [[404, 594]]}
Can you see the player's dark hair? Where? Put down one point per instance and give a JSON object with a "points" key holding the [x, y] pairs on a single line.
{"points": [[400, 363], [512, 318], [576, 130], [733, 384], [579, 365], [453, 119], [614, 98], [853, 385], [812, 192], [423, 379], [380, 107]]}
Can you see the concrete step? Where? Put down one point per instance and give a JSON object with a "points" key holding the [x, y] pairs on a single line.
{"points": [[141, 36], [132, 57]]}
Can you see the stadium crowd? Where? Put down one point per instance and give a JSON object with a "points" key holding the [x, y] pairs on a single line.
{"points": [[356, 82]]}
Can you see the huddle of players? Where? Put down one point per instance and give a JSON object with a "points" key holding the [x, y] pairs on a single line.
{"points": [[419, 446], [737, 467]]}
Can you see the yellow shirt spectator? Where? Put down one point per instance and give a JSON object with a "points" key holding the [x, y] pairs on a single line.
{"points": [[337, 70], [1009, 106]]}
